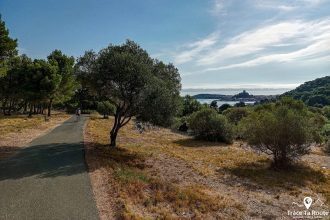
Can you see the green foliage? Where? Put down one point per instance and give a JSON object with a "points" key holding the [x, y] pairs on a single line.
{"points": [[161, 101], [327, 147], [284, 129], [190, 105], [326, 112], [214, 104], [224, 107], [240, 104], [207, 124], [326, 130], [235, 115], [314, 93], [106, 108], [66, 84], [36, 84], [134, 83], [7, 45]]}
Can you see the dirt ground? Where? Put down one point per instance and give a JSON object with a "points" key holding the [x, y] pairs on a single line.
{"points": [[18, 131], [236, 180]]}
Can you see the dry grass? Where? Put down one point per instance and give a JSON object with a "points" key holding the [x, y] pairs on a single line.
{"points": [[171, 176], [18, 130]]}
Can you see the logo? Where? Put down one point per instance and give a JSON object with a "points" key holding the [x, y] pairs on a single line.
{"points": [[308, 202], [308, 209]]}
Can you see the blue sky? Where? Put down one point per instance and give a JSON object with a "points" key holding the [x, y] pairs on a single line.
{"points": [[214, 43]]}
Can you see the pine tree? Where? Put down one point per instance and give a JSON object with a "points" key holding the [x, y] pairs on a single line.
{"points": [[7, 45]]}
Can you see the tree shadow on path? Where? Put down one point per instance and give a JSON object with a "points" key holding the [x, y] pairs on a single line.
{"points": [[43, 161]]}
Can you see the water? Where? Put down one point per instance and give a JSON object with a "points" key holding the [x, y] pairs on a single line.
{"points": [[232, 103], [230, 91]]}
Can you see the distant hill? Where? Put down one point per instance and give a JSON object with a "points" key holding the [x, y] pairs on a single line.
{"points": [[313, 93], [209, 96], [242, 96]]}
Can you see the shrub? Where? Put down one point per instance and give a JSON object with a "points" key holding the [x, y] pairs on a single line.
{"points": [[224, 107], [94, 115], [240, 104], [327, 147], [207, 124], [105, 108], [326, 112], [177, 122], [190, 105], [326, 130], [235, 115], [283, 130], [214, 104]]}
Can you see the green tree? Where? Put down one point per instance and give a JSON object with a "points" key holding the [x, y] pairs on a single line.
{"points": [[161, 101], [7, 44], [214, 104], [190, 105], [235, 115], [224, 107], [65, 87], [283, 130], [105, 108], [207, 124], [123, 76]]}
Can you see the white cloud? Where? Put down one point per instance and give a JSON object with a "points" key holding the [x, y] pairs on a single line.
{"points": [[314, 37], [285, 5], [218, 7], [254, 41], [193, 49]]}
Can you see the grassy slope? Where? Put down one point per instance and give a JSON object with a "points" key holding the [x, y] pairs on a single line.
{"points": [[168, 175]]}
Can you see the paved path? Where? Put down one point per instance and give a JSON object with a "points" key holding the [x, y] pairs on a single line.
{"points": [[48, 179]]}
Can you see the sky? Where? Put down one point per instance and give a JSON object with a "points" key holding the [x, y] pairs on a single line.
{"points": [[214, 43]]}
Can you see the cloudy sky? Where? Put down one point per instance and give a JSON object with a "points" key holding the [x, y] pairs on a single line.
{"points": [[214, 43]]}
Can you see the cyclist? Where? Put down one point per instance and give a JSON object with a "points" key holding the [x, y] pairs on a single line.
{"points": [[78, 113]]}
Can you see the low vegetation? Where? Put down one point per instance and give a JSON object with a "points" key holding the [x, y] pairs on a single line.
{"points": [[207, 124], [284, 130], [313, 93], [161, 174]]}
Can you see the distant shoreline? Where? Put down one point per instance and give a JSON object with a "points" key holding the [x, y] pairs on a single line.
{"points": [[233, 91]]}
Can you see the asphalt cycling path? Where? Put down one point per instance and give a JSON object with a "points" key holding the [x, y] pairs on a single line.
{"points": [[48, 179]]}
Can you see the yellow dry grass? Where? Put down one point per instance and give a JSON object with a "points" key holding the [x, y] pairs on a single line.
{"points": [[144, 194], [18, 130]]}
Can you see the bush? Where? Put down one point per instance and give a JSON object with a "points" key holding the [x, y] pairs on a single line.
{"points": [[94, 115], [235, 115], [207, 124], [190, 105], [214, 104], [283, 130], [177, 122], [326, 130], [326, 112], [327, 147], [105, 108], [224, 107]]}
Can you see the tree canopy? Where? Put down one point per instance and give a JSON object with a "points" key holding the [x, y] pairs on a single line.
{"points": [[284, 129], [313, 93], [135, 84]]}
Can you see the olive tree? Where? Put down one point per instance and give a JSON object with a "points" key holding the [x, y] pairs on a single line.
{"points": [[283, 130], [125, 75], [162, 97]]}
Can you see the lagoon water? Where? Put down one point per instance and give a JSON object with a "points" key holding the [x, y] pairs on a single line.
{"points": [[253, 91], [232, 103], [230, 91]]}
